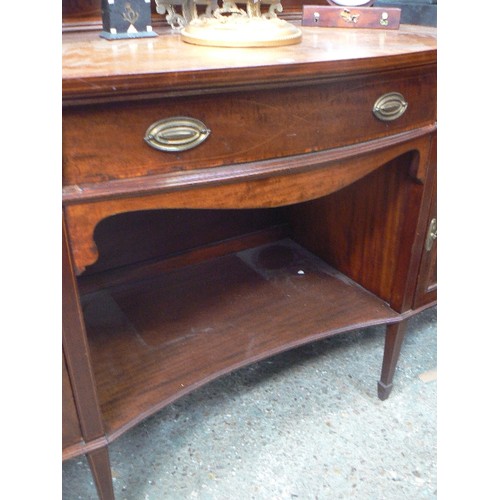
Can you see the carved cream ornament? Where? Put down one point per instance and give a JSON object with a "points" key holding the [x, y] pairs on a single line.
{"points": [[229, 23]]}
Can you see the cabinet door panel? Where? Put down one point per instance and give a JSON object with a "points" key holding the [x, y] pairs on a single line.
{"points": [[426, 289]]}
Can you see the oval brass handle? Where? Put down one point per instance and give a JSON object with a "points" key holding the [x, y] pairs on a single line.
{"points": [[175, 134], [390, 106]]}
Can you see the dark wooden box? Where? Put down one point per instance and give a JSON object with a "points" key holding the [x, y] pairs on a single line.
{"points": [[126, 19]]}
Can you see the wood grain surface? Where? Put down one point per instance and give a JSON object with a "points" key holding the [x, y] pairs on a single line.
{"points": [[156, 339], [93, 68]]}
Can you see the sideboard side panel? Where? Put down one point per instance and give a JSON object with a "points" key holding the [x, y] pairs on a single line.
{"points": [[77, 352], [71, 432], [426, 288]]}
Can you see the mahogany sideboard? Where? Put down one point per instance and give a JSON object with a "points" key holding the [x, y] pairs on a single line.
{"points": [[300, 213]]}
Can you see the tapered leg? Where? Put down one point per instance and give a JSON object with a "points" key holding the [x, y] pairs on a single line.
{"points": [[394, 336], [101, 470]]}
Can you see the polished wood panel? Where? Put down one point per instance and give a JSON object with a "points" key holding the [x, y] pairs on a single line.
{"points": [[426, 288], [104, 143], [146, 269], [131, 238], [77, 355], [71, 432], [366, 230], [97, 70]]}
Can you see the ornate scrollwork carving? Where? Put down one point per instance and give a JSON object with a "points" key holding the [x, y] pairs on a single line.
{"points": [[177, 20], [179, 13]]}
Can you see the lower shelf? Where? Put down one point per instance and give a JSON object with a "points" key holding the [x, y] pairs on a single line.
{"points": [[154, 340]]}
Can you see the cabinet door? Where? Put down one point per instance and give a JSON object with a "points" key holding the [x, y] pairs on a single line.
{"points": [[71, 432], [426, 290]]}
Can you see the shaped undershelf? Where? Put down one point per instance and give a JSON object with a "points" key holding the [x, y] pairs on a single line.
{"points": [[156, 339]]}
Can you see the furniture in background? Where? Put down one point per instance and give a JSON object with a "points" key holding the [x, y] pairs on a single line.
{"points": [[294, 200]]}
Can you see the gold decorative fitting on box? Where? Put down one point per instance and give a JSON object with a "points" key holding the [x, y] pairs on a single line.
{"points": [[175, 134], [348, 17], [384, 19], [390, 106]]}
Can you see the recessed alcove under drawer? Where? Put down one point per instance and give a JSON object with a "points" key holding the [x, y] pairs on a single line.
{"points": [[210, 291]]}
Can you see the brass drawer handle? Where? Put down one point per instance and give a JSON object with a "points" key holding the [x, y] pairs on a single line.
{"points": [[431, 235], [390, 106], [175, 134]]}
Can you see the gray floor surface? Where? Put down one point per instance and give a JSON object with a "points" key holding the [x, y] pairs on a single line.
{"points": [[306, 424]]}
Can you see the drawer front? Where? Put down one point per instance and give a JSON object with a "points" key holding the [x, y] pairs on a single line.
{"points": [[106, 142]]}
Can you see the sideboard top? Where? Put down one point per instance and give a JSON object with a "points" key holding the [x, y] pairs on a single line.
{"points": [[94, 68]]}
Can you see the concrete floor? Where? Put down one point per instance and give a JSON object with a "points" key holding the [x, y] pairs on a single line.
{"points": [[306, 424]]}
